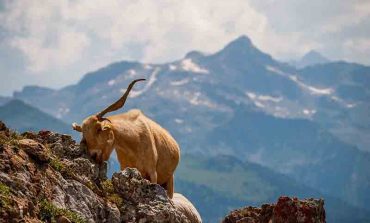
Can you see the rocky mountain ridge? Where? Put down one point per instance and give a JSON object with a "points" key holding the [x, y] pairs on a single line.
{"points": [[23, 117], [309, 59]]}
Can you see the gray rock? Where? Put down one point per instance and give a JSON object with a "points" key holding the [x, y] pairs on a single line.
{"points": [[144, 201], [35, 149]]}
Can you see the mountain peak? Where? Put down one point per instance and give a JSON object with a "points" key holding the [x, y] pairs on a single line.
{"points": [[242, 42], [16, 102], [314, 55], [311, 58], [194, 54], [241, 52]]}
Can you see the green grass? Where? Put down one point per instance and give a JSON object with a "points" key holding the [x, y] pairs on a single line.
{"points": [[49, 212], [11, 140], [111, 196], [116, 199], [107, 186], [56, 164], [4, 190], [4, 196]]}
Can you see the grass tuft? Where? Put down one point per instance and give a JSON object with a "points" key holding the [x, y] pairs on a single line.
{"points": [[4, 190], [57, 164], [107, 186], [4, 196], [49, 212]]}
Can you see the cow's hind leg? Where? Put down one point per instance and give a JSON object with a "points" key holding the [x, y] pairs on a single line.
{"points": [[153, 177], [170, 187]]}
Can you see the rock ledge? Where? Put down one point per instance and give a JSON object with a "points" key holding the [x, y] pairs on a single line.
{"points": [[47, 177]]}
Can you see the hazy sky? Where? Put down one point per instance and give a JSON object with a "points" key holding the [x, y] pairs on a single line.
{"points": [[54, 43]]}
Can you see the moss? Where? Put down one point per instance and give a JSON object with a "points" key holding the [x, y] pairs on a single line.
{"points": [[107, 186], [4, 196], [4, 190], [49, 212], [111, 196], [90, 185], [116, 199], [63, 169], [68, 172], [57, 164], [5, 203]]}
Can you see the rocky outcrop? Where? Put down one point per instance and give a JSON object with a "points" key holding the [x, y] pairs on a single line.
{"points": [[46, 177], [286, 210]]}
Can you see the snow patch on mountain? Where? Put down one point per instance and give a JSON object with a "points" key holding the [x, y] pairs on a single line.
{"points": [[259, 104], [147, 67], [279, 106], [172, 67], [189, 65], [131, 74], [309, 112], [269, 98], [151, 80], [62, 111], [343, 102], [179, 121], [251, 95], [350, 105], [180, 82], [312, 90], [259, 100], [280, 112], [196, 99]]}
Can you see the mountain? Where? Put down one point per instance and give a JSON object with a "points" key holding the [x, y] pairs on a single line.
{"points": [[23, 117], [346, 112], [4, 100], [300, 149], [219, 184], [310, 124], [309, 59]]}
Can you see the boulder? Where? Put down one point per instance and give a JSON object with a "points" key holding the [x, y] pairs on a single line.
{"points": [[286, 210]]}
